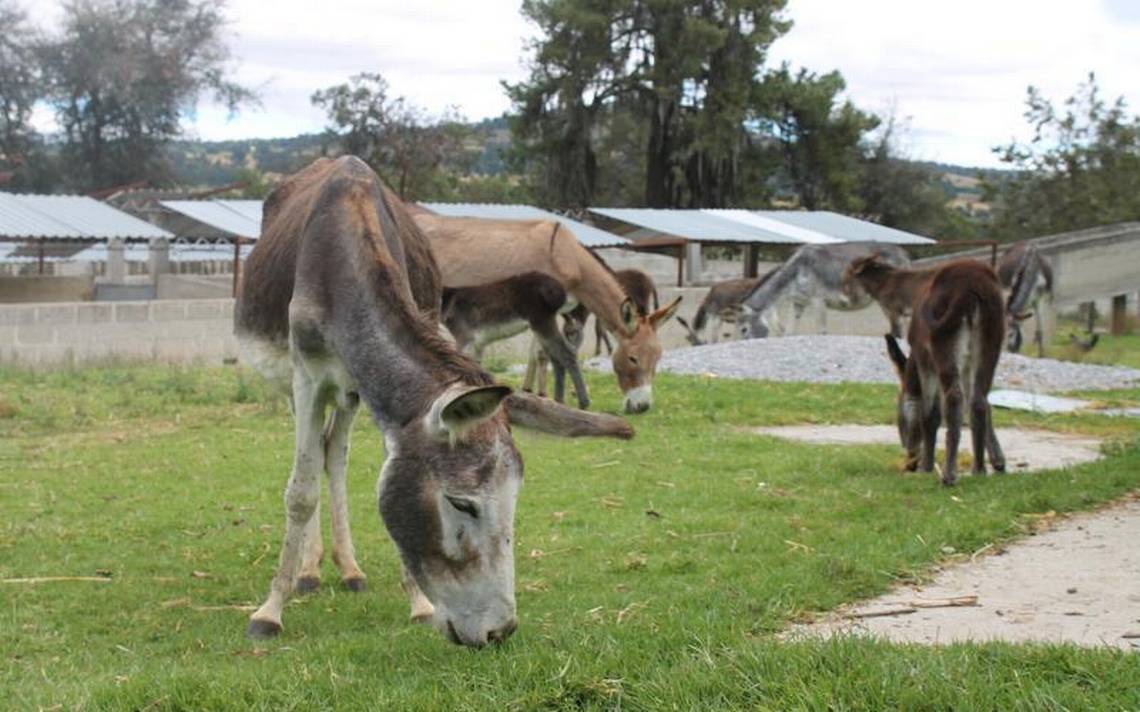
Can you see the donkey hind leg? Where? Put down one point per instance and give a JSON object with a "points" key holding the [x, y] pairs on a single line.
{"points": [[930, 422], [301, 498], [533, 362], [997, 457], [565, 360], [979, 432], [336, 464], [422, 609], [952, 414]]}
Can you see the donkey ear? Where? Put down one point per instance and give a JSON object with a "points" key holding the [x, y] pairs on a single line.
{"points": [[457, 409], [546, 416], [663, 314], [629, 316], [896, 354]]}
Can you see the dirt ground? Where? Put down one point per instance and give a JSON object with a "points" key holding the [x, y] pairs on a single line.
{"points": [[1025, 450], [1078, 582]]}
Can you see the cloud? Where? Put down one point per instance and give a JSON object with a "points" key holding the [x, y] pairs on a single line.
{"points": [[958, 71]]}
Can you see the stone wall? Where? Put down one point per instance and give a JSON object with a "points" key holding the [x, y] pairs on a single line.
{"points": [[69, 333]]}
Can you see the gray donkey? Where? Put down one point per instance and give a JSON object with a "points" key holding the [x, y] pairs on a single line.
{"points": [[1028, 275], [814, 275]]}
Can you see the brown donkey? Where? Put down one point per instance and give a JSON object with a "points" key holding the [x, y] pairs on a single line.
{"points": [[955, 339], [338, 306], [893, 287], [474, 251], [477, 315], [638, 286]]}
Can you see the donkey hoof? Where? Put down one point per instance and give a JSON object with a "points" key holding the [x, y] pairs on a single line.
{"points": [[356, 584], [999, 468], [949, 481], [307, 584], [584, 404], [262, 629]]}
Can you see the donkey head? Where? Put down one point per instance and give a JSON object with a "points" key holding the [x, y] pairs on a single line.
{"points": [[909, 406], [447, 498], [637, 353], [859, 272]]}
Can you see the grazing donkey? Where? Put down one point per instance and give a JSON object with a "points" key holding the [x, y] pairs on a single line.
{"points": [[724, 303], [639, 287], [337, 306], [473, 251], [531, 299], [1028, 275], [814, 275], [955, 340]]}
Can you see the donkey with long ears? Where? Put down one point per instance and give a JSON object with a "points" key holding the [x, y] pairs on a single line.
{"points": [[814, 275], [955, 340], [532, 299], [639, 287], [473, 251], [724, 304], [338, 306], [1028, 275]]}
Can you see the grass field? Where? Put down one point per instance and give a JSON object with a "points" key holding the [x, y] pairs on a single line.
{"points": [[651, 574]]}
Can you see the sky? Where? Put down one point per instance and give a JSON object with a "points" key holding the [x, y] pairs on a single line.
{"points": [[955, 74]]}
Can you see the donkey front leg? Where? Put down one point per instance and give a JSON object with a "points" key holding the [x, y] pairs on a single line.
{"points": [[336, 464], [312, 553], [301, 498]]}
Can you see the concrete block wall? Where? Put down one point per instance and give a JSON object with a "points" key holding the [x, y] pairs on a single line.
{"points": [[83, 332]]}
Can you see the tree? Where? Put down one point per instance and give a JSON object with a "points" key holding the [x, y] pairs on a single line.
{"points": [[20, 88], [903, 194], [818, 137], [403, 143], [124, 74], [684, 70], [1081, 168]]}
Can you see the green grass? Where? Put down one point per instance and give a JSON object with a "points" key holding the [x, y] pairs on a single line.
{"points": [[1121, 350], [651, 574]]}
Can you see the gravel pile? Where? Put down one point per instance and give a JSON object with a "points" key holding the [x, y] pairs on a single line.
{"points": [[863, 359]]}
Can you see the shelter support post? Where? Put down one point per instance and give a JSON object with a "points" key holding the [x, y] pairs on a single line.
{"points": [[695, 264], [237, 264], [116, 261], [680, 266], [1119, 314], [41, 266], [158, 256], [751, 260]]}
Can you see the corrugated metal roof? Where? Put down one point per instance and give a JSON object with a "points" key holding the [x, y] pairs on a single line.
{"points": [[694, 225], [845, 228], [783, 231], [239, 218], [788, 227], [69, 217], [588, 235]]}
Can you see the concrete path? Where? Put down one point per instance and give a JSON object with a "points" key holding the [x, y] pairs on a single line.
{"points": [[1077, 583]]}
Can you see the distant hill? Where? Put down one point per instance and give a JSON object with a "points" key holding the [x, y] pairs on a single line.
{"points": [[209, 164]]}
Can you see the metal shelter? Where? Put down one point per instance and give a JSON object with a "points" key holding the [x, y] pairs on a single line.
{"points": [[776, 230], [590, 236], [58, 226]]}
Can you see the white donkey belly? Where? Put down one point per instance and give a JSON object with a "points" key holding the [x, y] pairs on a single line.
{"points": [[274, 362]]}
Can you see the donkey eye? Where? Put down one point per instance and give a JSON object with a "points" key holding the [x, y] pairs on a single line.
{"points": [[633, 360], [466, 506]]}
